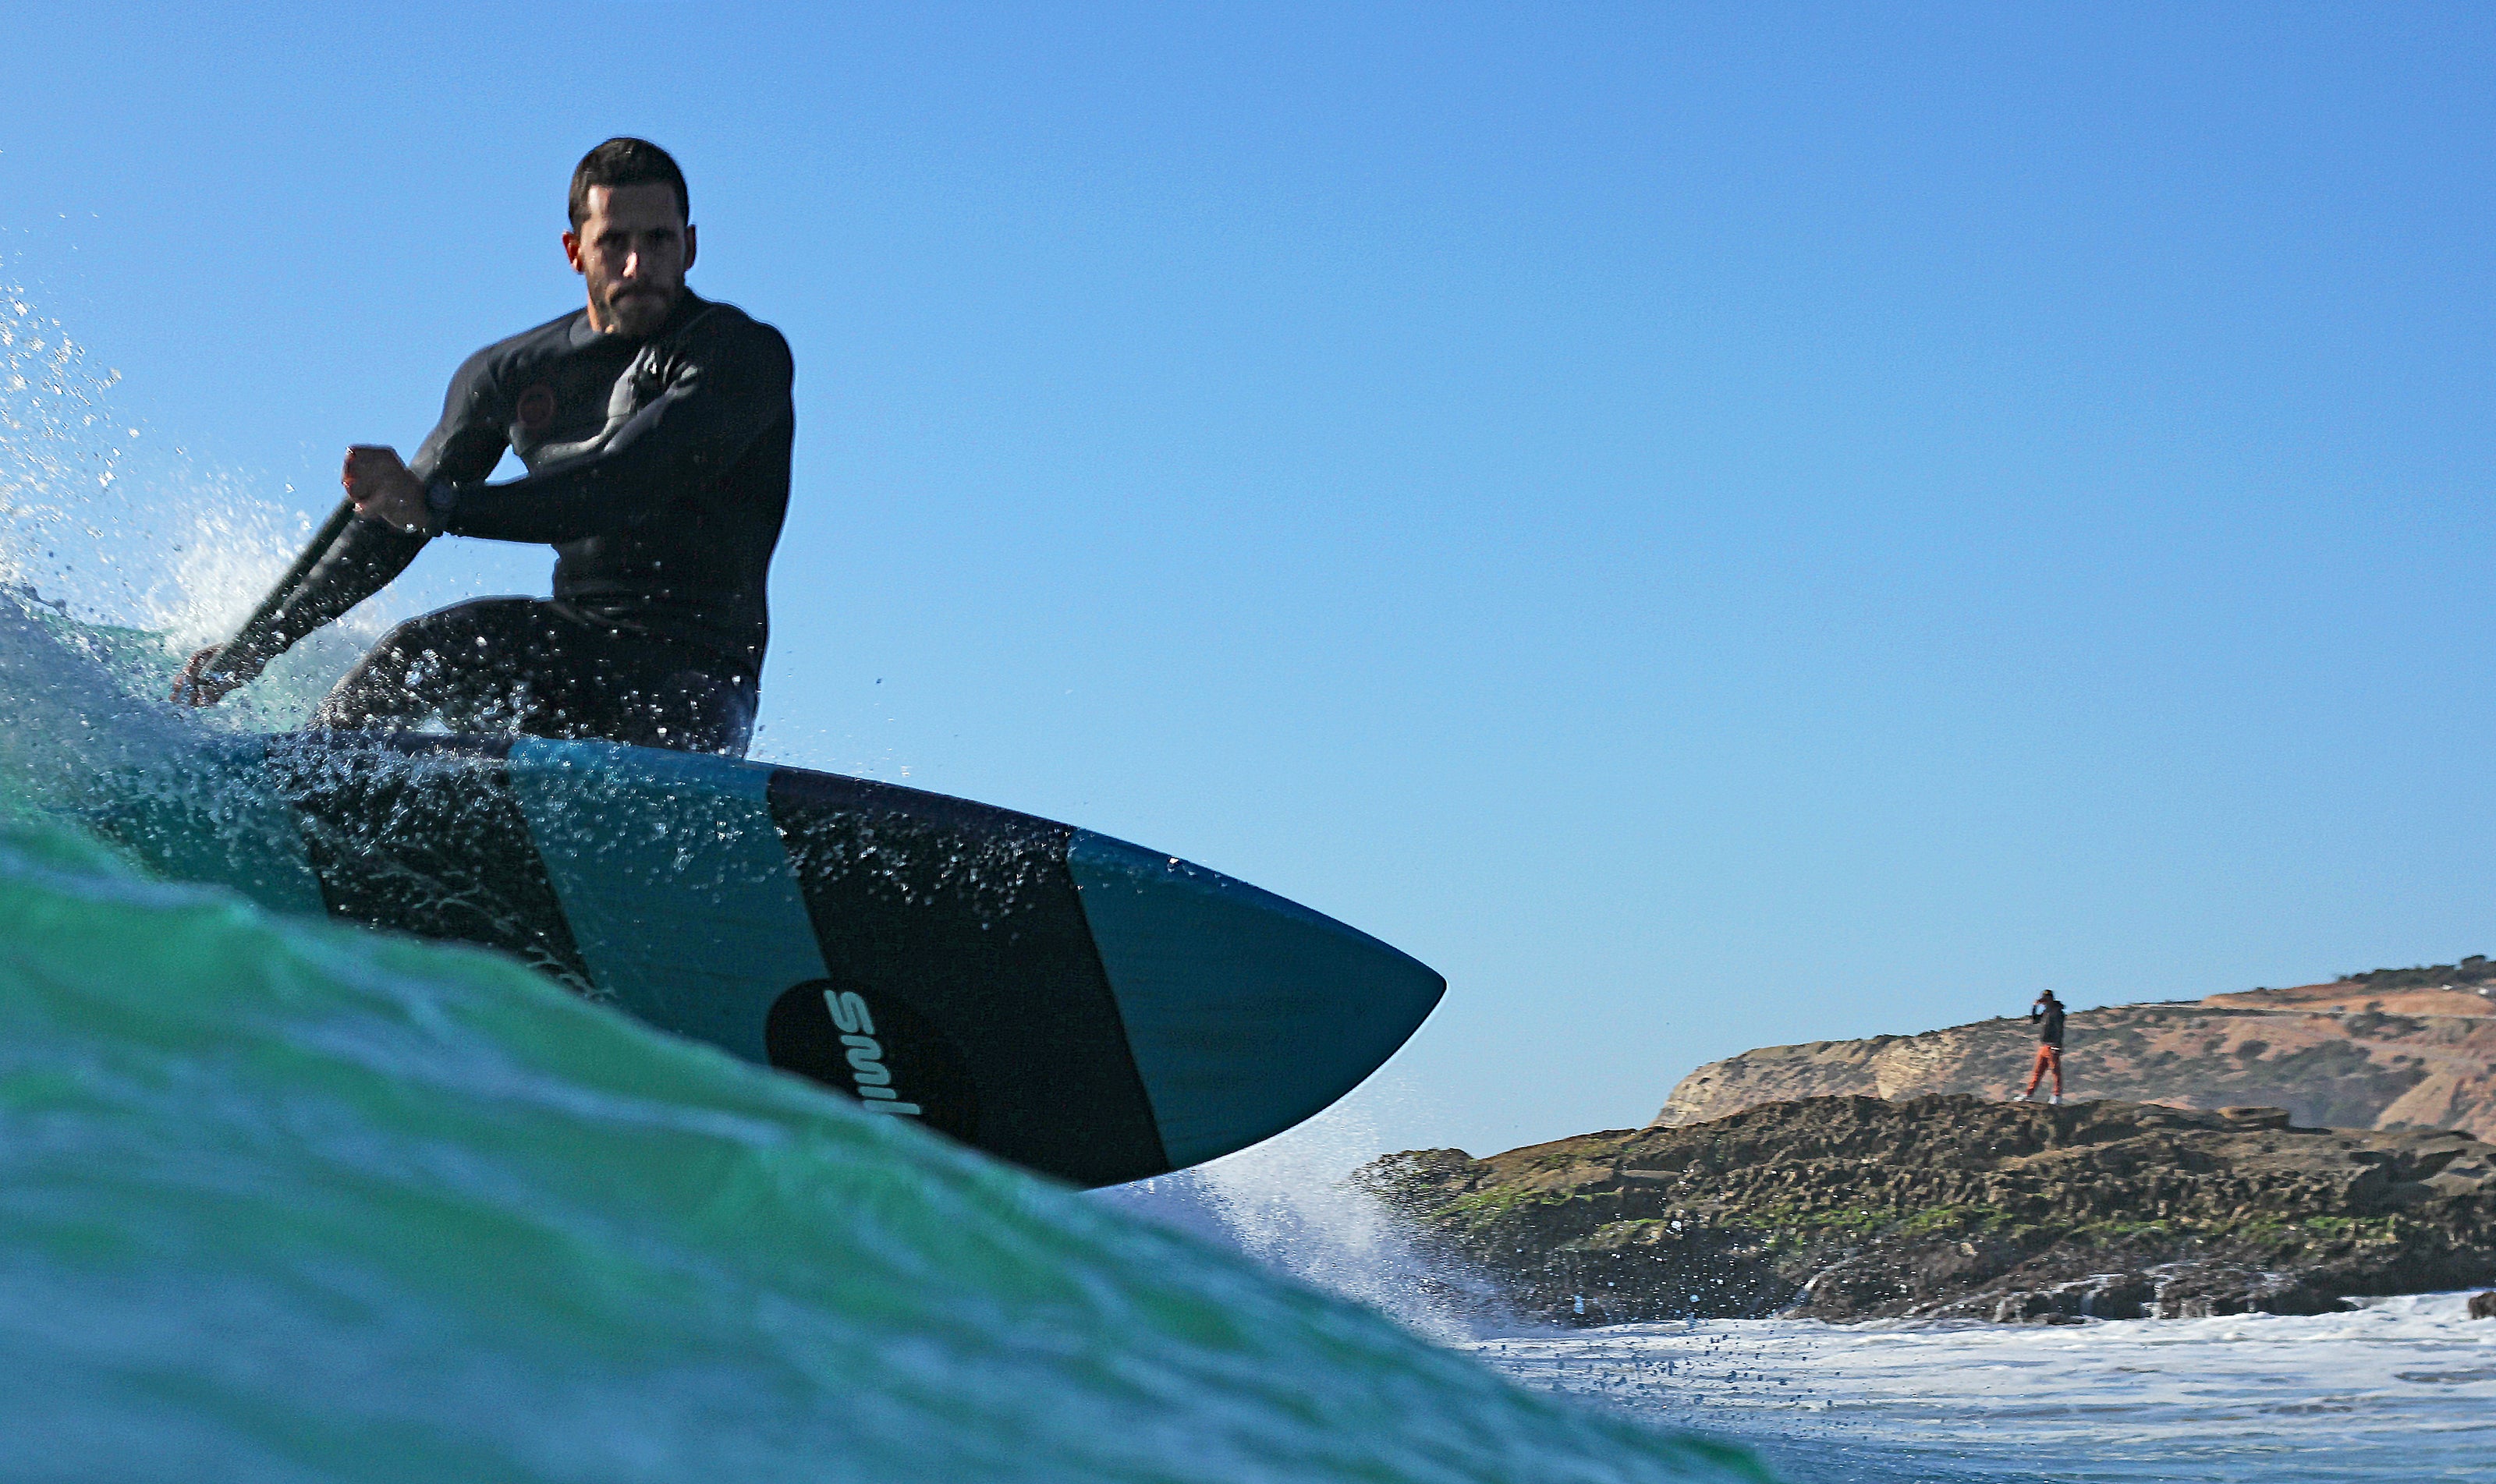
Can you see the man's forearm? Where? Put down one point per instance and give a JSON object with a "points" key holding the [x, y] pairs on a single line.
{"points": [[690, 434], [362, 561], [606, 492]]}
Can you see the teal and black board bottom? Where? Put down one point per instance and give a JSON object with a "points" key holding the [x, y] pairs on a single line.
{"points": [[1060, 999]]}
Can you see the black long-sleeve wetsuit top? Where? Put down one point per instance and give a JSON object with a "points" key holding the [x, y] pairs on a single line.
{"points": [[658, 469], [2049, 1023]]}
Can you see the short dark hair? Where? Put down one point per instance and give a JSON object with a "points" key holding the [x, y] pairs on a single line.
{"points": [[624, 161]]}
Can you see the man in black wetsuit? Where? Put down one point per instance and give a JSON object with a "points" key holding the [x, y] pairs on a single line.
{"points": [[656, 428]]}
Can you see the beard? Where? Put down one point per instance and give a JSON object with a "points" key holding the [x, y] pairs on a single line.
{"points": [[639, 313]]}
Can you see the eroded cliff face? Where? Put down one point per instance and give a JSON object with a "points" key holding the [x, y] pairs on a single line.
{"points": [[1853, 1208], [2352, 1054]]}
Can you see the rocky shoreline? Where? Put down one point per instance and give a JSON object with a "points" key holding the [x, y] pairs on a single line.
{"points": [[1948, 1206]]}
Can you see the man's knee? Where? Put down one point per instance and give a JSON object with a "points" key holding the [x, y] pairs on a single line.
{"points": [[447, 657], [699, 711], [465, 633], [498, 626]]}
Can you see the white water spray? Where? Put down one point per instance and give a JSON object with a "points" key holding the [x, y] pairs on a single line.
{"points": [[1290, 1204], [101, 524]]}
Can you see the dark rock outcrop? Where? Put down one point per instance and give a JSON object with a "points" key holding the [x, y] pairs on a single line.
{"points": [[1853, 1208]]}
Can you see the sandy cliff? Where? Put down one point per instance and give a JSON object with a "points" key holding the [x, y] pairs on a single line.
{"points": [[2410, 1049]]}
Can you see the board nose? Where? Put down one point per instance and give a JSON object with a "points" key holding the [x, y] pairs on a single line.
{"points": [[1247, 1012]]}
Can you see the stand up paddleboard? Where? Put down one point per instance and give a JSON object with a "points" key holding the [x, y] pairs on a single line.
{"points": [[1060, 999]]}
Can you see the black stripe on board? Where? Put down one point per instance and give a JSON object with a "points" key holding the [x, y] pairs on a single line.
{"points": [[422, 835], [966, 914]]}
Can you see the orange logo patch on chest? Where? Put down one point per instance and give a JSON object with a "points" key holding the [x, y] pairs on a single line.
{"points": [[537, 407]]}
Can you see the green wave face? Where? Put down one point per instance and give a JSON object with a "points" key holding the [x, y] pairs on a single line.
{"points": [[286, 1200]]}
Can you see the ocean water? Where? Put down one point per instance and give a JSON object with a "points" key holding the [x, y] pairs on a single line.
{"points": [[287, 1200], [2401, 1389]]}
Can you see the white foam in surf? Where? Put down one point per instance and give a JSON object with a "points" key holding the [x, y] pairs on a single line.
{"points": [[2409, 1381]]}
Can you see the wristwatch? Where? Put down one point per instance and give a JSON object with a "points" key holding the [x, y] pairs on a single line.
{"points": [[441, 497]]}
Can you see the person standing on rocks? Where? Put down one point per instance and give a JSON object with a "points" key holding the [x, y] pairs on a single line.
{"points": [[2047, 1014]]}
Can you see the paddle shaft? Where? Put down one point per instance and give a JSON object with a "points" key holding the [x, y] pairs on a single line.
{"points": [[289, 584]]}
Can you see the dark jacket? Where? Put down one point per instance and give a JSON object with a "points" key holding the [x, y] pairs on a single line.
{"points": [[2048, 1018]]}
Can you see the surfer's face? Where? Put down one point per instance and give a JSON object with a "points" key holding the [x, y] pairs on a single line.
{"points": [[632, 249]]}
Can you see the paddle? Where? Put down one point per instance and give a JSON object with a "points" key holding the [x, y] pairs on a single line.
{"points": [[287, 586]]}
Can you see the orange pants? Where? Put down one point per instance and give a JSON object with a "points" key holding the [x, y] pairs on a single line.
{"points": [[2047, 1057]]}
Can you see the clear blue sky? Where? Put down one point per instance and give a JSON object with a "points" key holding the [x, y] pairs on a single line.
{"points": [[1710, 526]]}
